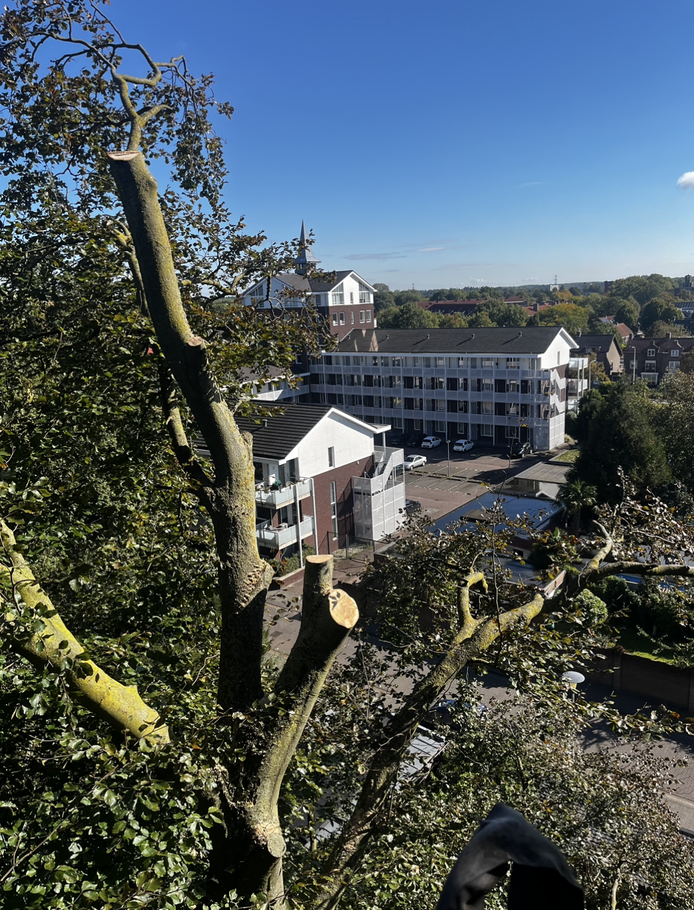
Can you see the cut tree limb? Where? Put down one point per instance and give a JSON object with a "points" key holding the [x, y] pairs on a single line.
{"points": [[54, 644]]}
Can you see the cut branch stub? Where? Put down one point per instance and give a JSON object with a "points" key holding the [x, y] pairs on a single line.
{"points": [[327, 618], [55, 644]]}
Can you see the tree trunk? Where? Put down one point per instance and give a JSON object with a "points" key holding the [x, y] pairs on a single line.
{"points": [[230, 499]]}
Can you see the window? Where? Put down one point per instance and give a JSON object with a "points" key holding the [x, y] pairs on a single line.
{"points": [[486, 407], [487, 362], [397, 423], [351, 296], [317, 299], [338, 296], [440, 404], [512, 432], [396, 361], [368, 315], [417, 424], [440, 426], [462, 429], [486, 429], [487, 385], [331, 456], [342, 318], [512, 363], [362, 316], [675, 353], [364, 294], [463, 363], [440, 361], [674, 366], [333, 508], [352, 315], [334, 318], [512, 386], [650, 352]]}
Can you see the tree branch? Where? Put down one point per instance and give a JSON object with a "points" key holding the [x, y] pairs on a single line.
{"points": [[55, 644], [385, 763]]}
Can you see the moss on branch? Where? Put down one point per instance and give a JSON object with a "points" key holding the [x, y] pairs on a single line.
{"points": [[54, 644]]}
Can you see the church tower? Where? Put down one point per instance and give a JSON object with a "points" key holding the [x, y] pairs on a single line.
{"points": [[305, 261]]}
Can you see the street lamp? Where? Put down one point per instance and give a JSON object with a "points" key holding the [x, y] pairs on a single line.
{"points": [[572, 678]]}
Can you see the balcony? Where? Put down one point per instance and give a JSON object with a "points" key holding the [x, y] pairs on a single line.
{"points": [[282, 496], [278, 538]]}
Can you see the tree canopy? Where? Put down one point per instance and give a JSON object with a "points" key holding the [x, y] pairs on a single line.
{"points": [[150, 754]]}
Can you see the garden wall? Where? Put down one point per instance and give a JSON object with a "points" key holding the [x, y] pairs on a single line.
{"points": [[652, 678]]}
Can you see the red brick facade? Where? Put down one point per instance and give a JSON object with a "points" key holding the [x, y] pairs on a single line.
{"points": [[352, 316], [342, 477]]}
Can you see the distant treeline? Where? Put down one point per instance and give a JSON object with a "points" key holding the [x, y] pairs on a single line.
{"points": [[651, 303]]}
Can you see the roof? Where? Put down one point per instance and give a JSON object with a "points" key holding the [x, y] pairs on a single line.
{"points": [[505, 341], [279, 429], [545, 472], [277, 434], [596, 342], [320, 284]]}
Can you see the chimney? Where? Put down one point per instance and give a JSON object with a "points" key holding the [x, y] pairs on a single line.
{"points": [[669, 335]]}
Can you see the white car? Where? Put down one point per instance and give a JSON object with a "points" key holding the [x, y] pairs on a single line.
{"points": [[463, 445], [430, 442], [415, 461]]}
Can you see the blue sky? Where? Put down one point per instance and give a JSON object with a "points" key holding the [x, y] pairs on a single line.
{"points": [[452, 143]]}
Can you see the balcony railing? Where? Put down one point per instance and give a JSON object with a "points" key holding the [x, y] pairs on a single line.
{"points": [[277, 538], [282, 496]]}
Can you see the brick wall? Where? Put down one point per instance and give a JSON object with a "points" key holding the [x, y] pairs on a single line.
{"points": [[342, 477]]}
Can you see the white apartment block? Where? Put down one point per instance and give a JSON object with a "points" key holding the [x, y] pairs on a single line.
{"points": [[491, 385]]}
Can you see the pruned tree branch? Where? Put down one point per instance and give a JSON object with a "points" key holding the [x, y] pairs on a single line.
{"points": [[385, 763], [55, 644]]}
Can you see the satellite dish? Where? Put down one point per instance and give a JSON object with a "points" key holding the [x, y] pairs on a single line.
{"points": [[573, 678]]}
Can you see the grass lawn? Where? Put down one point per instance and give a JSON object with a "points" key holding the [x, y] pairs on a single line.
{"points": [[640, 646], [567, 457]]}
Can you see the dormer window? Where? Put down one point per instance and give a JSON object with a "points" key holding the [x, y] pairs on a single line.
{"points": [[650, 352], [338, 295], [675, 352]]}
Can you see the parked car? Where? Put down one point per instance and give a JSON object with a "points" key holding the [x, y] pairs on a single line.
{"points": [[463, 445], [412, 506], [415, 461], [397, 441], [430, 442], [414, 440]]}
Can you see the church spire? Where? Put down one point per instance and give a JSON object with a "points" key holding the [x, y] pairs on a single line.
{"points": [[305, 260]]}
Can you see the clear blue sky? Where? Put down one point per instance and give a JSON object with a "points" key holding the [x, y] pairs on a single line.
{"points": [[453, 143]]}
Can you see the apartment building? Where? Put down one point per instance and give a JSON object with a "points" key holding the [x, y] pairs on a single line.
{"points": [[344, 298], [491, 385], [322, 479], [651, 359]]}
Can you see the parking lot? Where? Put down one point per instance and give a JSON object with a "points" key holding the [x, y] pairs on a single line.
{"points": [[441, 486]]}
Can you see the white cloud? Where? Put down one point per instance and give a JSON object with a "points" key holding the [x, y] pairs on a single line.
{"points": [[686, 181], [431, 249]]}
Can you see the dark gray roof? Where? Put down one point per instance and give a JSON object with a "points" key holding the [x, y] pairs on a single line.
{"points": [[511, 341], [319, 284], [292, 280], [276, 435], [596, 342]]}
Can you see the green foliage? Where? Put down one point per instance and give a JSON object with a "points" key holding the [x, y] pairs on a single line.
{"points": [[659, 309], [616, 430], [641, 287], [407, 316], [593, 609]]}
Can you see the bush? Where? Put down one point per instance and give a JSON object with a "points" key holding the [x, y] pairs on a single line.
{"points": [[593, 608]]}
